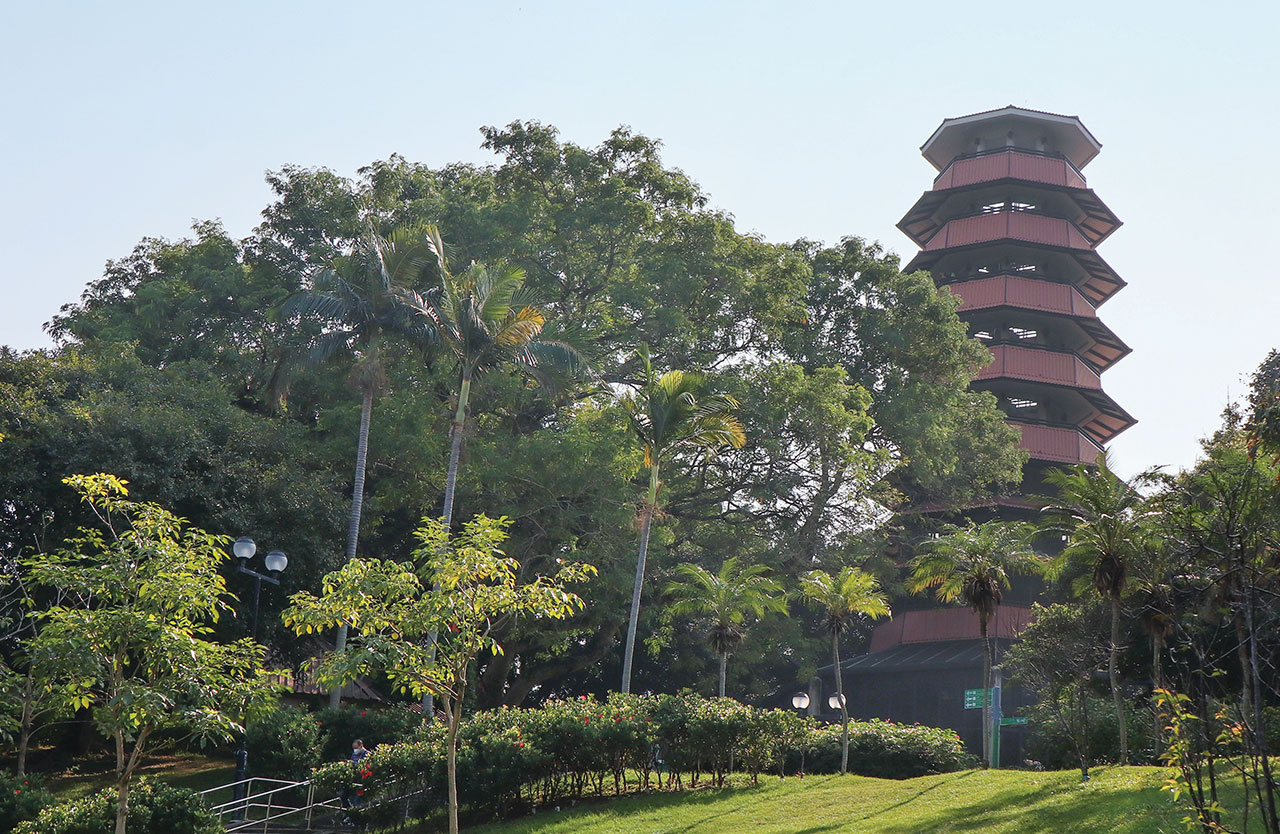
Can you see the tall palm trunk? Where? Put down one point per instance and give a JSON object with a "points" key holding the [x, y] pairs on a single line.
{"points": [[986, 690], [647, 512], [724, 667], [450, 487], [844, 709], [455, 447], [353, 523], [1113, 676]]}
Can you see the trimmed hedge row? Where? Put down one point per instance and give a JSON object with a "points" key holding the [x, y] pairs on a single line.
{"points": [[512, 759]]}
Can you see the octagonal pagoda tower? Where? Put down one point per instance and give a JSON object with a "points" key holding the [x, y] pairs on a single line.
{"points": [[1011, 227]]}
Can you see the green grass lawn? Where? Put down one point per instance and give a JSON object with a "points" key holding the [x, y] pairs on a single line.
{"points": [[1117, 800], [189, 770]]}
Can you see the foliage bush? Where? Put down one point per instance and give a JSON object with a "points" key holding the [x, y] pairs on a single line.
{"points": [[21, 799], [285, 744], [513, 759], [1050, 744], [888, 750], [343, 725], [154, 808]]}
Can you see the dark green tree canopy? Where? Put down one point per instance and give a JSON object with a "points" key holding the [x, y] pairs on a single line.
{"points": [[852, 378]]}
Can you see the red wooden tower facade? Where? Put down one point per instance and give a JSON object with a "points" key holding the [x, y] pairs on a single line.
{"points": [[1011, 227]]}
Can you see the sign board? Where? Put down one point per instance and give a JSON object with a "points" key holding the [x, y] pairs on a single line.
{"points": [[1016, 721], [973, 699]]}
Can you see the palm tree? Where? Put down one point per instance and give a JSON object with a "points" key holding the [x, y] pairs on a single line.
{"points": [[361, 314], [729, 598], [669, 419], [850, 594], [1106, 526], [486, 319], [973, 565]]}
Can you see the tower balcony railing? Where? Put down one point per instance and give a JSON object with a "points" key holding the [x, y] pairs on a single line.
{"points": [[1028, 290], [1057, 442], [1026, 226], [1013, 149], [1034, 363]]}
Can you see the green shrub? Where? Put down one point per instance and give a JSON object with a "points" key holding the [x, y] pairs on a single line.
{"points": [[1051, 745], [511, 759], [375, 726], [887, 750], [154, 808], [21, 799], [285, 744]]}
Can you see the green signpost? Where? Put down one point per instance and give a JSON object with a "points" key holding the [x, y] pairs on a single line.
{"points": [[973, 699], [1016, 721]]}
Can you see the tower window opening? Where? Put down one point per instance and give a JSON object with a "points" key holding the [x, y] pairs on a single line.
{"points": [[1020, 402], [1024, 268], [1008, 205], [982, 334], [1023, 333]]}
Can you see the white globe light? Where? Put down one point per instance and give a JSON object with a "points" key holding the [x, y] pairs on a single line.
{"points": [[277, 561], [800, 700], [244, 548], [835, 701]]}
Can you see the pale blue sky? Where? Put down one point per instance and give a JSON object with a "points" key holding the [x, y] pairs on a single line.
{"points": [[132, 119]]}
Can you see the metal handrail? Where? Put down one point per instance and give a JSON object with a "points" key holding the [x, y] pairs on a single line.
{"points": [[275, 811], [1013, 149]]}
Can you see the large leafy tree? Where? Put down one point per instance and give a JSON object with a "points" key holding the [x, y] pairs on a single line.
{"points": [[131, 636], [1107, 526], [973, 565], [175, 436], [358, 298], [897, 335], [669, 420], [625, 248], [728, 597], [461, 585], [843, 599]]}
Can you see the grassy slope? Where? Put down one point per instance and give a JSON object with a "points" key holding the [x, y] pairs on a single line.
{"points": [[192, 771], [1119, 800]]}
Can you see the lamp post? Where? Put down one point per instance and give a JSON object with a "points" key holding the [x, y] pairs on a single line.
{"points": [[800, 701], [244, 548]]}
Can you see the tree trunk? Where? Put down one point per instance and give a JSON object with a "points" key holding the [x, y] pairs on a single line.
{"points": [[724, 666], [124, 777], [24, 731], [455, 718], [1114, 676], [647, 512], [455, 447], [1157, 675], [450, 487], [844, 708], [353, 523], [986, 690]]}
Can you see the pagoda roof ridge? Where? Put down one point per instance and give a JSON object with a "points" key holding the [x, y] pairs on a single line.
{"points": [[1086, 149]]}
